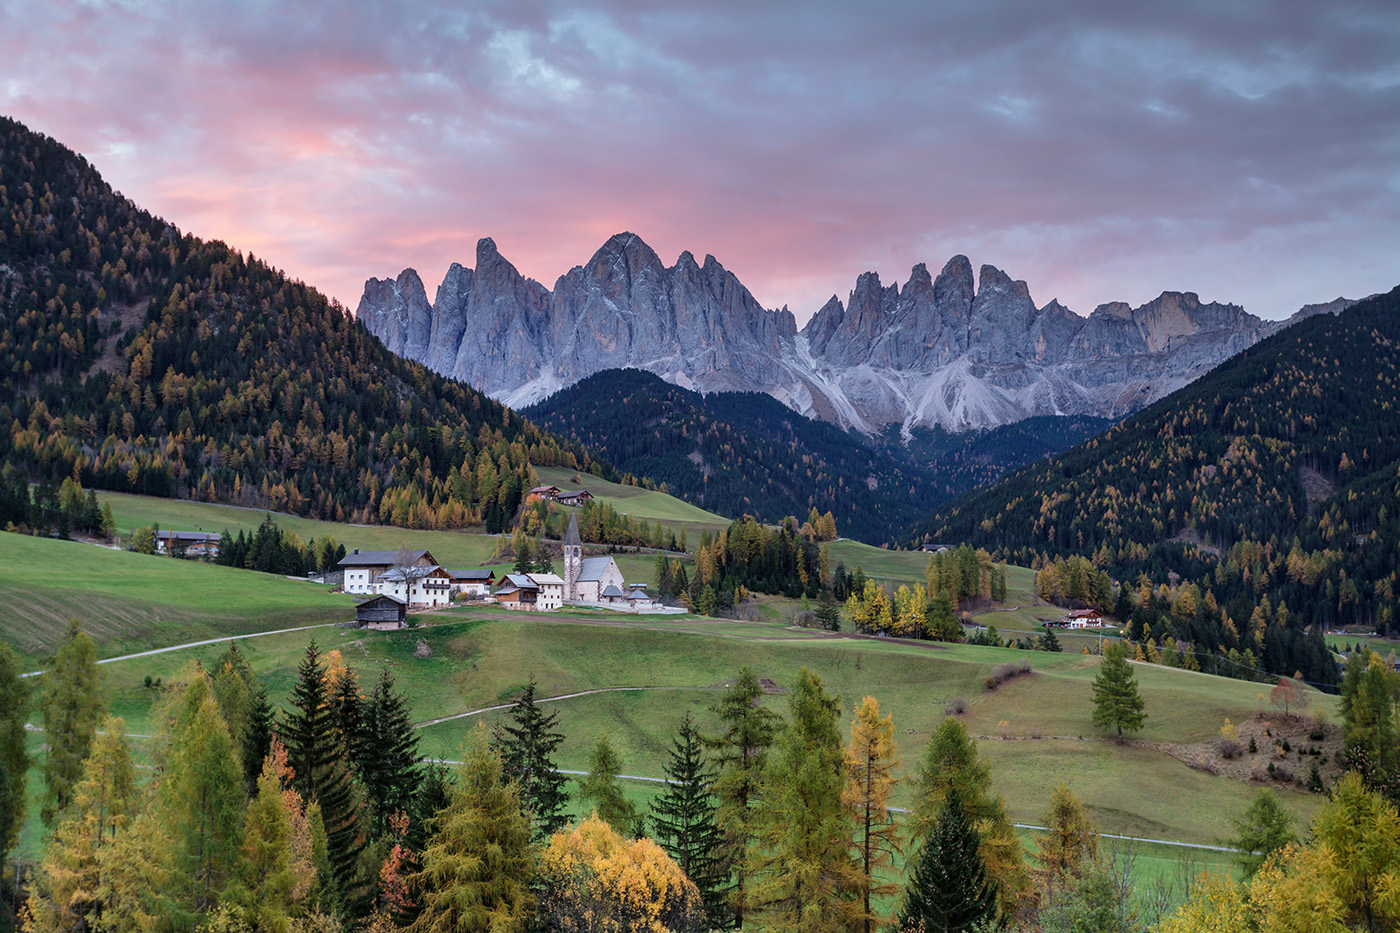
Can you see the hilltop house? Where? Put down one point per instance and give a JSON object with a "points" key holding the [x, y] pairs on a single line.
{"points": [[189, 543], [1083, 618]]}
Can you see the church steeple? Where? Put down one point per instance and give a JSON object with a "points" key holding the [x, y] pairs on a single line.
{"points": [[573, 558]]}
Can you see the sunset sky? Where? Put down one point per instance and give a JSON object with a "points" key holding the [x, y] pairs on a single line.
{"points": [[1101, 151]]}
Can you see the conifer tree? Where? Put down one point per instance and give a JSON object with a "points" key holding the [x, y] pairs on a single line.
{"points": [[461, 889], [950, 891], [1265, 828], [871, 758], [1117, 702], [951, 763], [388, 762], [740, 751], [72, 706], [257, 738], [683, 820], [321, 774], [1070, 839], [265, 881], [801, 860], [14, 758], [65, 893], [200, 800], [527, 748], [601, 789]]}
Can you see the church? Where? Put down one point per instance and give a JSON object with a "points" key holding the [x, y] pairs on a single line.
{"points": [[589, 579]]}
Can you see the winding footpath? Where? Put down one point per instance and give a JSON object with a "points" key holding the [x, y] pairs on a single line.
{"points": [[198, 644]]}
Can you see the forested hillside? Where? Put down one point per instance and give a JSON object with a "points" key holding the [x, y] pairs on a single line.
{"points": [[141, 359], [742, 453], [1264, 496]]}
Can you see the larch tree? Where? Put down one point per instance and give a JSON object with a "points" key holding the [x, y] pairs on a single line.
{"points": [[71, 706], [801, 861], [479, 862], [14, 758], [600, 789], [527, 748], [683, 821], [265, 882], [1117, 703], [871, 758], [65, 893], [950, 890], [740, 749], [200, 799], [1070, 838]]}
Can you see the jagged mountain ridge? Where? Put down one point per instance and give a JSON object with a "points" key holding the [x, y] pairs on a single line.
{"points": [[948, 351]]}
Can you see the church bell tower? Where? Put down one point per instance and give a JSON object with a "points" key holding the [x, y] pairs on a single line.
{"points": [[573, 558]]}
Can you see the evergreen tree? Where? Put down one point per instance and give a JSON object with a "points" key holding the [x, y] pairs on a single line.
{"points": [[740, 751], [257, 738], [200, 800], [72, 706], [828, 612], [1370, 730], [600, 788], [951, 763], [1265, 828], [801, 860], [461, 889], [233, 689], [1117, 702], [949, 891], [321, 775], [871, 758], [527, 748], [683, 820], [14, 758], [65, 891], [388, 762]]}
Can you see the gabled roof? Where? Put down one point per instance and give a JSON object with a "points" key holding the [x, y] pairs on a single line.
{"points": [[520, 581], [359, 558], [550, 579], [638, 593], [418, 573], [485, 575], [591, 568], [544, 491], [189, 536], [379, 601], [611, 591]]}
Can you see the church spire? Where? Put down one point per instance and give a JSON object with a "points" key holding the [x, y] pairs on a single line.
{"points": [[572, 538], [573, 558]]}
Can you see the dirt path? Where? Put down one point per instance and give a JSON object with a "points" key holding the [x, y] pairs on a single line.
{"points": [[562, 696], [198, 644]]}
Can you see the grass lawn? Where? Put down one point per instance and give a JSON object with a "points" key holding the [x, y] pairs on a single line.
{"points": [[133, 602], [640, 503], [1035, 730]]}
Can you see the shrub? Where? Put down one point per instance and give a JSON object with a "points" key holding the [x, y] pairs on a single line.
{"points": [[1229, 749], [955, 707], [1004, 672], [804, 618]]}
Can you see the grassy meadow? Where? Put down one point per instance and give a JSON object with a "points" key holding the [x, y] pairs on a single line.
{"points": [[639, 503]]}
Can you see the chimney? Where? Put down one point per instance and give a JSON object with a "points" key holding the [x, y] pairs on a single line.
{"points": [[356, 551]]}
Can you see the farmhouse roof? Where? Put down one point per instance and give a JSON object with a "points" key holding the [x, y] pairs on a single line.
{"points": [[359, 558], [571, 538], [189, 536], [379, 601], [544, 491], [520, 581], [550, 579], [418, 573], [485, 575]]}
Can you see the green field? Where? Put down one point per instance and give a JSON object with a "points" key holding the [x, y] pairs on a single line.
{"points": [[640, 503], [1034, 730], [133, 602]]}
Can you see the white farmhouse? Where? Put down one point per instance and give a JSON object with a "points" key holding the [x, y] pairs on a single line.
{"points": [[364, 568]]}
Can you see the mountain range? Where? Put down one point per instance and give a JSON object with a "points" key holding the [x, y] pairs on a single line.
{"points": [[951, 351]]}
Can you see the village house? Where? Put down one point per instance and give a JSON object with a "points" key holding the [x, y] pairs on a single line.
{"points": [[419, 586], [547, 493], [1082, 618], [573, 498], [364, 568], [188, 543], [474, 583], [518, 591]]}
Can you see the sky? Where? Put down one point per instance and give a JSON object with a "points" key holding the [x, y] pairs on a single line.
{"points": [[1100, 150]]}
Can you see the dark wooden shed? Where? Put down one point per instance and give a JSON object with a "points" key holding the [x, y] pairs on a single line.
{"points": [[380, 611]]}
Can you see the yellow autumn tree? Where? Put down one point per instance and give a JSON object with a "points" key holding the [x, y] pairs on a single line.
{"points": [[591, 879], [870, 762], [1070, 839]]}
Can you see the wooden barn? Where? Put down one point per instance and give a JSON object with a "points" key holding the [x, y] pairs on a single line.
{"points": [[381, 612]]}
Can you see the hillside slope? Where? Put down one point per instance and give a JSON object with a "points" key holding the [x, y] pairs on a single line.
{"points": [[1273, 484], [145, 360]]}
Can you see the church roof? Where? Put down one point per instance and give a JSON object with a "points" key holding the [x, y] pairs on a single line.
{"points": [[572, 538], [611, 591], [592, 568]]}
